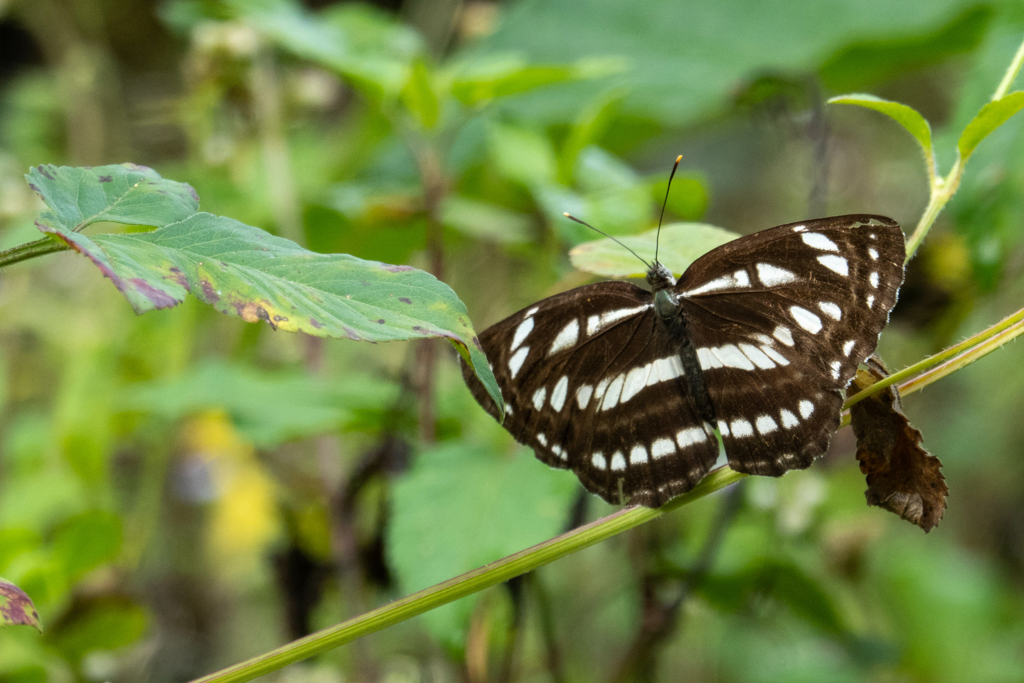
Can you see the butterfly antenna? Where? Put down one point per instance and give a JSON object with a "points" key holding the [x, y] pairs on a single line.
{"points": [[664, 204], [601, 232]]}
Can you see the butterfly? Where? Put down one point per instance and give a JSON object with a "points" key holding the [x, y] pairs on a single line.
{"points": [[754, 345]]}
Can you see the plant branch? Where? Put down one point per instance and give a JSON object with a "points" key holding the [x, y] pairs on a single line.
{"points": [[30, 250], [1007, 325], [1011, 74], [466, 584]]}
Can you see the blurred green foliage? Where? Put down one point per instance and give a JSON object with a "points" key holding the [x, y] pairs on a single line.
{"points": [[180, 490]]}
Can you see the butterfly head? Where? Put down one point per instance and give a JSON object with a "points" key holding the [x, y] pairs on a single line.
{"points": [[659, 277]]}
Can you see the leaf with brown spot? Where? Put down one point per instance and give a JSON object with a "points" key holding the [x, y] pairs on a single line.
{"points": [[16, 607], [902, 476], [241, 270]]}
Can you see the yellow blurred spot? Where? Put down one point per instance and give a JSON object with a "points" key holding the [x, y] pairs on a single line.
{"points": [[243, 519]]}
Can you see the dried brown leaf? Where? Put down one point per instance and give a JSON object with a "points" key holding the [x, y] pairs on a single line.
{"points": [[902, 476]]}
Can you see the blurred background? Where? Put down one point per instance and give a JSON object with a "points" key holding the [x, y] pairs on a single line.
{"points": [[180, 491]]}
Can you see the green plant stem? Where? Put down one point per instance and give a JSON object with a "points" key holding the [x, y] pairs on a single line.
{"points": [[1009, 323], [30, 250], [1011, 74], [942, 190], [467, 584]]}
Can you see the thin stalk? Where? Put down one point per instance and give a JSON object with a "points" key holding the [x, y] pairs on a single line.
{"points": [[936, 202], [466, 584], [1011, 74], [917, 368], [30, 250]]}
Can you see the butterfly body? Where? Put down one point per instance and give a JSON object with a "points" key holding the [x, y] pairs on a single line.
{"points": [[756, 340]]}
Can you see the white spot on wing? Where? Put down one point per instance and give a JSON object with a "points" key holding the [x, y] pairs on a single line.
{"points": [[662, 447], [567, 338], [707, 359], [873, 279], [816, 240], [522, 332], [799, 228], [618, 462], [765, 424], [757, 356], [723, 427], [611, 397], [873, 253], [806, 319], [597, 459], [583, 395], [638, 455], [636, 379], [665, 369], [559, 451], [773, 276], [724, 282], [515, 363], [741, 428], [538, 398], [764, 339], [783, 335], [848, 347], [542, 439], [806, 409], [774, 355], [836, 264], [732, 357], [691, 436], [871, 300], [830, 309], [559, 393], [741, 278], [532, 311], [789, 420], [835, 369], [597, 323], [601, 387]]}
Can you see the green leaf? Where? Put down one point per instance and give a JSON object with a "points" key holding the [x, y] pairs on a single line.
{"points": [[16, 608], [125, 193], [991, 116], [369, 48], [524, 155], [906, 116], [874, 60], [478, 81], [689, 199], [243, 271], [485, 220], [420, 97], [681, 245], [269, 408], [501, 505], [87, 541], [686, 59], [103, 623]]}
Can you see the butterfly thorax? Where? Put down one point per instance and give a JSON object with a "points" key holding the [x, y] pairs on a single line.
{"points": [[670, 314]]}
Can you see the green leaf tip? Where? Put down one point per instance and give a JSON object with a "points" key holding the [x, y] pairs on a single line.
{"points": [[908, 117], [16, 608], [991, 116]]}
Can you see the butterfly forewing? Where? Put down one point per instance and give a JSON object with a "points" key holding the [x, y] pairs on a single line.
{"points": [[781, 319], [591, 383], [770, 326]]}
